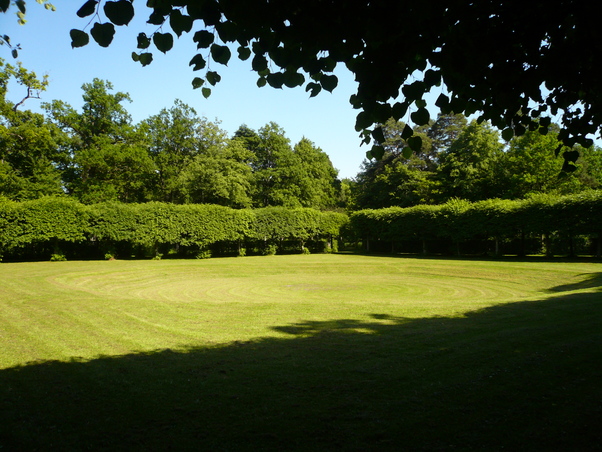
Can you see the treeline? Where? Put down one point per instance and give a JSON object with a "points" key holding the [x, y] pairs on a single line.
{"points": [[471, 161], [97, 154], [62, 228], [543, 224]]}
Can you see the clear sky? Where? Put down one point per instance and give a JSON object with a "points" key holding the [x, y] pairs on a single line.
{"points": [[328, 119]]}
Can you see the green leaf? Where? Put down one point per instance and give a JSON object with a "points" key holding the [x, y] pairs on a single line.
{"points": [[87, 8], [213, 78], [143, 41], [78, 38], [244, 53], [314, 88], [163, 41], [197, 82], [378, 134], [406, 152], [276, 80], [363, 121], [203, 39], [571, 156], [206, 92], [103, 33], [399, 110], [220, 54], [421, 116], [259, 63], [415, 143], [507, 134], [146, 58], [407, 132], [329, 82], [179, 22], [293, 79], [261, 82], [198, 61], [135, 57], [443, 103], [377, 151], [120, 12]]}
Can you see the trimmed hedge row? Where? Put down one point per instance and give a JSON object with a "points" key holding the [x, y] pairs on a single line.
{"points": [[541, 224], [61, 226]]}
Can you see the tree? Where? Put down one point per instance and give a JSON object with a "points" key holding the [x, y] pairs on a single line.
{"points": [[174, 137], [221, 176], [30, 153], [530, 166], [467, 168], [492, 57], [107, 160], [315, 176]]}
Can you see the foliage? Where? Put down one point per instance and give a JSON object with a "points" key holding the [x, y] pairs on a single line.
{"points": [[490, 59], [154, 228], [460, 221]]}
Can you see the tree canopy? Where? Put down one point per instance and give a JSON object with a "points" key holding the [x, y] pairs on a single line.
{"points": [[515, 64]]}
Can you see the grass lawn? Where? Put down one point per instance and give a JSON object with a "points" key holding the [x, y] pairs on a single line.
{"points": [[319, 352]]}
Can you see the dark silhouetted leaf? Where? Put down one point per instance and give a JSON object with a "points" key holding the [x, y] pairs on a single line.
{"points": [[213, 78], [571, 156], [179, 22], [4, 4], [507, 134], [415, 143], [421, 116], [197, 82], [329, 82], [103, 33], [14, 53], [244, 53], [276, 80], [120, 12], [378, 135], [314, 88], [259, 63], [203, 39], [87, 8], [163, 41], [198, 61], [143, 41], [79, 38], [363, 121], [206, 92], [261, 82], [407, 132], [220, 54], [146, 58], [406, 152], [377, 151]]}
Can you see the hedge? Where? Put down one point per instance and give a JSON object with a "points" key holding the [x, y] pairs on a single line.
{"points": [[532, 225], [28, 230]]}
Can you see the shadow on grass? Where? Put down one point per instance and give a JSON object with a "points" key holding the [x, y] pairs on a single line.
{"points": [[520, 376], [588, 281]]}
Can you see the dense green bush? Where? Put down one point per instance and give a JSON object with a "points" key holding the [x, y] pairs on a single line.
{"points": [[543, 223], [60, 226]]}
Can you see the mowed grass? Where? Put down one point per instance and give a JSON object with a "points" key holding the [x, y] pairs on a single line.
{"points": [[320, 352]]}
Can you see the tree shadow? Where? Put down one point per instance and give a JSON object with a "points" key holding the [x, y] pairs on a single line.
{"points": [[587, 281], [518, 376]]}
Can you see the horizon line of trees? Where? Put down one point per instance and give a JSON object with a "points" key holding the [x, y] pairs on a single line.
{"points": [[98, 155]]}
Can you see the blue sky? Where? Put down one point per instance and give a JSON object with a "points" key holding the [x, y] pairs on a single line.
{"points": [[328, 119]]}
